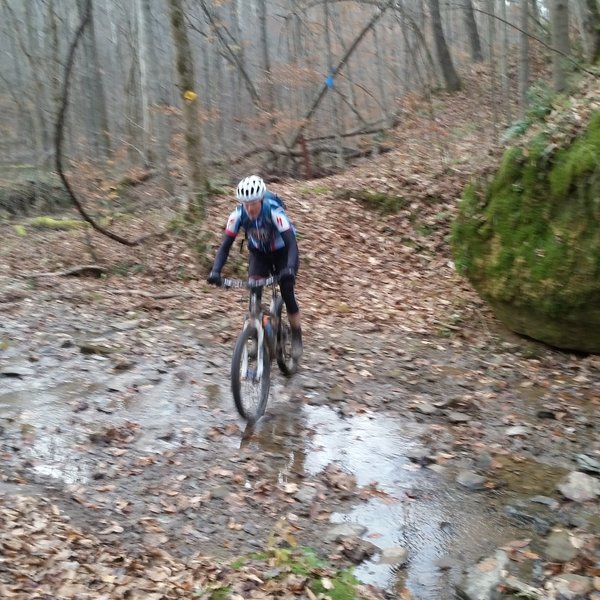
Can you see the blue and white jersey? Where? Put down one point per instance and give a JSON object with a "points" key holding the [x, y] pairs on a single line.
{"points": [[264, 232]]}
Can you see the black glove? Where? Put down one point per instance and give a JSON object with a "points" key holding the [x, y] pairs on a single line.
{"points": [[287, 273], [214, 278]]}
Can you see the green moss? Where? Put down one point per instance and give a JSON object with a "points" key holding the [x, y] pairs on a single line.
{"points": [[509, 171], [342, 587], [314, 190], [220, 594], [337, 584], [577, 161], [529, 240], [51, 223]]}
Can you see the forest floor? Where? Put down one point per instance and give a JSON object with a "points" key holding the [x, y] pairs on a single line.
{"points": [[127, 474]]}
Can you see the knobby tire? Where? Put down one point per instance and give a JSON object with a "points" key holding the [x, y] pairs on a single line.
{"points": [[249, 408], [287, 365]]}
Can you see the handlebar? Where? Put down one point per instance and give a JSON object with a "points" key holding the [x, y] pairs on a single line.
{"points": [[228, 282]]}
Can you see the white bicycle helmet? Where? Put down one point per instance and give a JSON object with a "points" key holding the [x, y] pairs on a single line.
{"points": [[250, 189]]}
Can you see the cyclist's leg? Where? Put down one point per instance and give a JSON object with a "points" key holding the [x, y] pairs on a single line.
{"points": [[287, 293]]}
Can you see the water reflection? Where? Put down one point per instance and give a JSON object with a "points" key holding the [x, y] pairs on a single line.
{"points": [[282, 438], [441, 526]]}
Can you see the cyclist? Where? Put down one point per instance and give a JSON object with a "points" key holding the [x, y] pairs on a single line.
{"points": [[271, 242]]}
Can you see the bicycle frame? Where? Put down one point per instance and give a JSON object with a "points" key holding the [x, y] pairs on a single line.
{"points": [[255, 313]]}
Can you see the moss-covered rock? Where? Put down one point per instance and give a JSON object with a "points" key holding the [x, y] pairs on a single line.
{"points": [[529, 240]]}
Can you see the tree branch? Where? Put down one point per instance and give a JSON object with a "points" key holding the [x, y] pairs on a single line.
{"points": [[60, 122], [339, 66]]}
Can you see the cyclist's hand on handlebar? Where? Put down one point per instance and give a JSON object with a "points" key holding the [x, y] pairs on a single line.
{"points": [[214, 278], [287, 273]]}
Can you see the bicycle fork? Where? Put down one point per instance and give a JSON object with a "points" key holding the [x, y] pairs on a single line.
{"points": [[247, 373]]}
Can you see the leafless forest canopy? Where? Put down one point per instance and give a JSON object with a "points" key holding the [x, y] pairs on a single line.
{"points": [[276, 80]]}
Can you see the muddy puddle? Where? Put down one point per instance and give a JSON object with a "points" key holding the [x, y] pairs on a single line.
{"points": [[443, 528], [53, 406]]}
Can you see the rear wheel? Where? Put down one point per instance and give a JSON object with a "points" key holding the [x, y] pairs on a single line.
{"points": [[287, 365], [250, 390]]}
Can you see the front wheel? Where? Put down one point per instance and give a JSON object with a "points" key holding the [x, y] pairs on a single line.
{"points": [[287, 365], [250, 388]]}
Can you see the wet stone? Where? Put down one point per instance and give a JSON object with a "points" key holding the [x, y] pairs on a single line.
{"points": [[358, 550], [97, 347], [559, 548], [127, 325], [123, 364], [484, 461], [551, 503], [541, 525], [447, 402], [117, 385], [588, 464], [421, 456], [393, 556], [579, 487], [572, 587], [310, 384], [482, 580], [306, 494], [336, 393], [471, 480], [445, 563], [16, 371], [458, 417], [182, 376], [426, 409], [147, 378], [219, 492], [250, 529], [216, 361], [345, 530], [439, 469], [516, 431]]}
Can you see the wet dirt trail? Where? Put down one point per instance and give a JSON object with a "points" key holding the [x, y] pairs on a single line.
{"points": [[408, 455]]}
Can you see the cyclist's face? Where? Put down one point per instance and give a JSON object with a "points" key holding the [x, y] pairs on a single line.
{"points": [[253, 208]]}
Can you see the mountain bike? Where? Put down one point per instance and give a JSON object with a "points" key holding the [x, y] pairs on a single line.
{"points": [[265, 335]]}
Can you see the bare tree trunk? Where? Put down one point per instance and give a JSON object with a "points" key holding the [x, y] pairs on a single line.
{"points": [[472, 32], [451, 78], [146, 57], [236, 75], [504, 64], [591, 25], [54, 53], [380, 60], [94, 89], [334, 106], [524, 55], [155, 119], [191, 113], [493, 82], [25, 118], [431, 78], [42, 134], [559, 13], [269, 99]]}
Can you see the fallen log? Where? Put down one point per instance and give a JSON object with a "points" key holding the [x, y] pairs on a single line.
{"points": [[79, 271]]}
